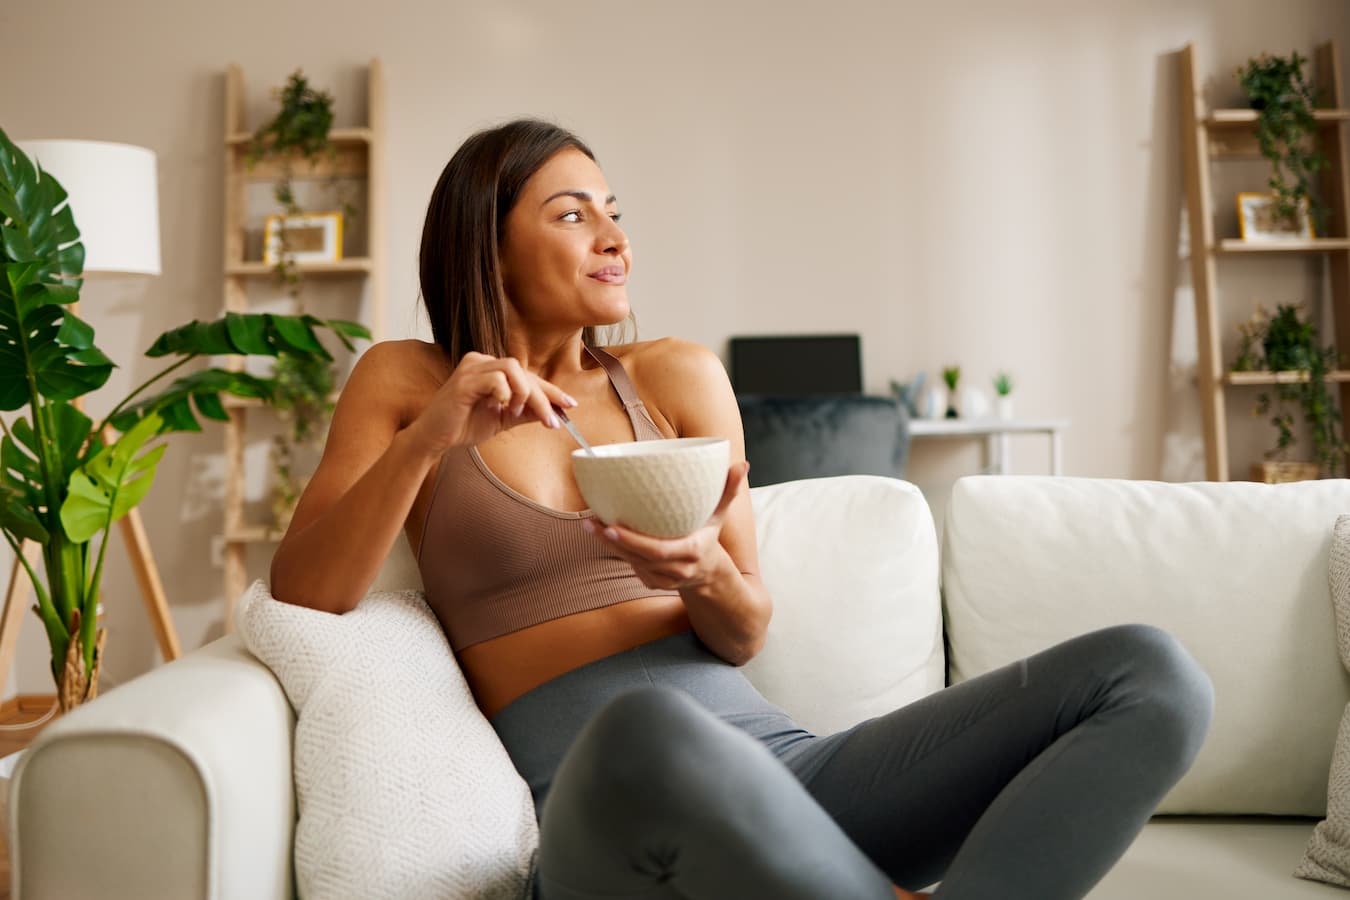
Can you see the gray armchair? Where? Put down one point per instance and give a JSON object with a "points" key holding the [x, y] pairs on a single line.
{"points": [[787, 438]]}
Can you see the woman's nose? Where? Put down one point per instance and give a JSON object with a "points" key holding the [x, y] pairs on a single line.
{"points": [[612, 239]]}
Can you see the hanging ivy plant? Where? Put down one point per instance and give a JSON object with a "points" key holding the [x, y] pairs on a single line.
{"points": [[1286, 132]]}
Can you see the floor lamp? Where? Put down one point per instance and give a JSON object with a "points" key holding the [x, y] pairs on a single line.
{"points": [[113, 191]]}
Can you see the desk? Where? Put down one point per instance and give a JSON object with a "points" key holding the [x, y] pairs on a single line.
{"points": [[995, 432]]}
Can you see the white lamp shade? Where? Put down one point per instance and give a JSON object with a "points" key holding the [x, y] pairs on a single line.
{"points": [[114, 196]]}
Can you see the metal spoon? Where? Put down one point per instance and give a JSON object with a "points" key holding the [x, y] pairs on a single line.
{"points": [[572, 429]]}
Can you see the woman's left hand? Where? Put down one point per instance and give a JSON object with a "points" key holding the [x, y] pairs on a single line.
{"points": [[691, 561]]}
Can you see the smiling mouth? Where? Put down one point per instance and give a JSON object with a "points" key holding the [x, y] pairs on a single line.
{"points": [[610, 275]]}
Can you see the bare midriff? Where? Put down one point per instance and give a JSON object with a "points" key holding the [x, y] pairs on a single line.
{"points": [[504, 668]]}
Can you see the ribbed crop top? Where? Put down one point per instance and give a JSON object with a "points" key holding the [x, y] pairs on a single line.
{"points": [[494, 561]]}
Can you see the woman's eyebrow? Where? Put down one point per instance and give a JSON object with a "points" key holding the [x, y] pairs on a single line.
{"points": [[583, 196]]}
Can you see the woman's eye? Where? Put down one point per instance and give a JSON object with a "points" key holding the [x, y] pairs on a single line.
{"points": [[573, 216], [616, 216]]}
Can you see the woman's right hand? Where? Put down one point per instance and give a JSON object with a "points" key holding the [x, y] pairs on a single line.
{"points": [[484, 396]]}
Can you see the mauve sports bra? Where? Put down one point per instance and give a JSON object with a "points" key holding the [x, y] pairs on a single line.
{"points": [[494, 561]]}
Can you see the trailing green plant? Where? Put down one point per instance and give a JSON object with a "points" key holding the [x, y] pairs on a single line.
{"points": [[1286, 132], [299, 130], [64, 479], [1288, 342], [302, 393], [1003, 384]]}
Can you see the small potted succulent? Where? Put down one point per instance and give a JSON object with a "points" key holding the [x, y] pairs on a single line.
{"points": [[952, 376], [1003, 386]]}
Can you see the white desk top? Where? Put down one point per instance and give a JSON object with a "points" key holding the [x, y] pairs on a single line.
{"points": [[957, 427]]}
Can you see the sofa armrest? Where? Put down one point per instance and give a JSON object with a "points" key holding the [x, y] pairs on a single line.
{"points": [[174, 785]]}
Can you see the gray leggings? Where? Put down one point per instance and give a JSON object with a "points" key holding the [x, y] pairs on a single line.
{"points": [[662, 773]]}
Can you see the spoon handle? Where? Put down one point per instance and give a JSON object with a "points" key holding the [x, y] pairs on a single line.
{"points": [[572, 429]]}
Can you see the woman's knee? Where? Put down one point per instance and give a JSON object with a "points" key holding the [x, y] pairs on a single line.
{"points": [[642, 741], [1162, 675]]}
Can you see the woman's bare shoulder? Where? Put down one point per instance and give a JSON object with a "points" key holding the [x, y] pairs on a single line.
{"points": [[675, 376], [401, 374]]}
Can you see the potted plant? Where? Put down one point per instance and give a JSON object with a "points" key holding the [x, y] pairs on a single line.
{"points": [[1287, 342], [303, 386], [951, 376], [1003, 386], [1286, 132], [64, 479]]}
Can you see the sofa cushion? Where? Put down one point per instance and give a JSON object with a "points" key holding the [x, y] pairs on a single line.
{"points": [[1236, 571], [1328, 854], [851, 565], [403, 788]]}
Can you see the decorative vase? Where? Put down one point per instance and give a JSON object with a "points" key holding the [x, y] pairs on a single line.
{"points": [[934, 402], [1004, 406], [1279, 472], [974, 403]]}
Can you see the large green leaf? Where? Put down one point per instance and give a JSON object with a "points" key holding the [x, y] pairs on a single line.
{"points": [[17, 516], [204, 388], [111, 484], [43, 345], [254, 334]]}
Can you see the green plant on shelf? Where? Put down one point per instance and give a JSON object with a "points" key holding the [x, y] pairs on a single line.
{"points": [[1003, 384], [302, 394], [1289, 342], [1286, 132], [299, 130]]}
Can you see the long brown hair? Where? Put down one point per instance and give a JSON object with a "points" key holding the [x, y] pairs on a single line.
{"points": [[459, 265]]}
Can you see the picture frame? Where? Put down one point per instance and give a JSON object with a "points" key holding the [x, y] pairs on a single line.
{"points": [[310, 237], [1258, 223]]}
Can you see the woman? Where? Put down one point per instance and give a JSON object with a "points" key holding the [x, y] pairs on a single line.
{"points": [[606, 659]]}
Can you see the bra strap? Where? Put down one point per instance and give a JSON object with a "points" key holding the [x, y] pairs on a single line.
{"points": [[623, 386]]}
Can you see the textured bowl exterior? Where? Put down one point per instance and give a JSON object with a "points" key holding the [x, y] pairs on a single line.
{"points": [[662, 488]]}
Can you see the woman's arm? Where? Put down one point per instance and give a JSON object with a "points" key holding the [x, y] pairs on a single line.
{"points": [[373, 467], [357, 501], [715, 569]]}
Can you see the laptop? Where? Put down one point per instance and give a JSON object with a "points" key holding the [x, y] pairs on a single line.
{"points": [[795, 365]]}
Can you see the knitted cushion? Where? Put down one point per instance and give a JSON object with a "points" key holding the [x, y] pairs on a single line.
{"points": [[1328, 855], [404, 790]]}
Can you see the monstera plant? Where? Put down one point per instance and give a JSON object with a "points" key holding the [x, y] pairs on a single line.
{"points": [[64, 479]]}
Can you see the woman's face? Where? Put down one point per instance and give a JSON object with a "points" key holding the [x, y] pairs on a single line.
{"points": [[564, 258]]}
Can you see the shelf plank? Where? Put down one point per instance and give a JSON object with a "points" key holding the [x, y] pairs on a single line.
{"points": [[337, 136], [1237, 118], [1317, 245], [1239, 379], [253, 534], [354, 265], [230, 401]]}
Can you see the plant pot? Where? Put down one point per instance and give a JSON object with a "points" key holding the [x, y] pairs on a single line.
{"points": [[1004, 407], [1282, 472]]}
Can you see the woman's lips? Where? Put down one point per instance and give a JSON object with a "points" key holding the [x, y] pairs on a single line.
{"points": [[611, 275]]}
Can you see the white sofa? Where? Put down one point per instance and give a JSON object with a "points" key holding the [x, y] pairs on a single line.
{"points": [[178, 784]]}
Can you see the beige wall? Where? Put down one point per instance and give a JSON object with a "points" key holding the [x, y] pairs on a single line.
{"points": [[990, 183]]}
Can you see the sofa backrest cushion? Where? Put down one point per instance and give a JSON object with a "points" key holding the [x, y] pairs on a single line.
{"points": [[851, 565], [1237, 571]]}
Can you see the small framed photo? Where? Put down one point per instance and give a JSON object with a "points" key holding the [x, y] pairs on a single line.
{"points": [[1258, 221], [311, 237]]}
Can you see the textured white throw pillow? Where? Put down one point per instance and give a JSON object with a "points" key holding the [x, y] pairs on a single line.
{"points": [[404, 790], [1328, 855]]}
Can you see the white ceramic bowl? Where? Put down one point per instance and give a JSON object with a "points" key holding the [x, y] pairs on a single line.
{"points": [[664, 488]]}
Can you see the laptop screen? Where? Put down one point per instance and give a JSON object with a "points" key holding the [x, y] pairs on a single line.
{"points": [[797, 364]]}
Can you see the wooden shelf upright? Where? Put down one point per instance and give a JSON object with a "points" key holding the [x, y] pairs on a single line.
{"points": [[1230, 134], [360, 156]]}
